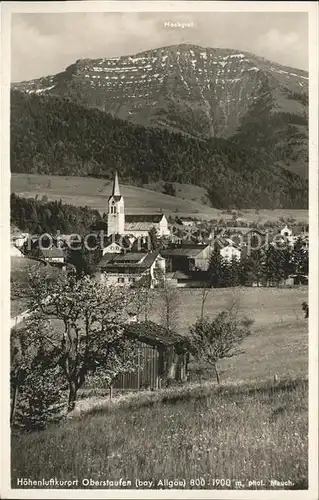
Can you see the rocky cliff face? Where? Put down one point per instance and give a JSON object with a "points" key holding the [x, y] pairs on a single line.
{"points": [[202, 92]]}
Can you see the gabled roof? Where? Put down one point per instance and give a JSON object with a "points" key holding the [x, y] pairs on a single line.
{"points": [[223, 241], [121, 240], [155, 218], [52, 252], [138, 226], [153, 334], [245, 230], [184, 251], [128, 260]]}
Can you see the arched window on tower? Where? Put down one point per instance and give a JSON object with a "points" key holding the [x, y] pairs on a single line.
{"points": [[113, 208]]}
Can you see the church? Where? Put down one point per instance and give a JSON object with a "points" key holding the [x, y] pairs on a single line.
{"points": [[131, 225]]}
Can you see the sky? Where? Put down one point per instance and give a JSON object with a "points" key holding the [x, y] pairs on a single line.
{"points": [[45, 44]]}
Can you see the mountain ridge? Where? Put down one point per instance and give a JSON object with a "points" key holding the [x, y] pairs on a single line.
{"points": [[196, 91], [214, 78]]}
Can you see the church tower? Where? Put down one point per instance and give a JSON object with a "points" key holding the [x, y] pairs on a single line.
{"points": [[115, 215]]}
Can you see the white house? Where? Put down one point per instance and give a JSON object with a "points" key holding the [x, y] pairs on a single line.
{"points": [[15, 252], [20, 239], [131, 225], [53, 255], [286, 232], [113, 247], [126, 269], [187, 222], [230, 252]]}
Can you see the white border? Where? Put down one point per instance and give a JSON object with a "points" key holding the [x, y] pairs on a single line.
{"points": [[160, 6]]}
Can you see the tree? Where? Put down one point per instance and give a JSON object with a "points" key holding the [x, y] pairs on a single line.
{"points": [[168, 188], [86, 329], [215, 270], [299, 258], [214, 340], [84, 259], [155, 243], [235, 271], [286, 262], [273, 265], [251, 268], [34, 380], [21, 353], [169, 304]]}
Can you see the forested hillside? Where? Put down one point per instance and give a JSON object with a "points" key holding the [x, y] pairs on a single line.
{"points": [[54, 136], [40, 216]]}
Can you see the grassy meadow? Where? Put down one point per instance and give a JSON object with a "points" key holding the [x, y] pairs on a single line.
{"points": [[247, 430], [247, 434], [279, 343], [81, 191]]}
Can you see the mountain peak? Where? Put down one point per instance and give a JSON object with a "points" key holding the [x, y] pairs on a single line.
{"points": [[198, 91]]}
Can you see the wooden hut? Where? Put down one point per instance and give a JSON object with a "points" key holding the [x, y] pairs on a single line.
{"points": [[163, 356]]}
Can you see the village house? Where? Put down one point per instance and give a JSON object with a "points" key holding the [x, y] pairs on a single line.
{"points": [[187, 279], [135, 225], [230, 252], [15, 252], [19, 239], [186, 221], [243, 236], [227, 248], [116, 244], [127, 269], [285, 231], [53, 255], [291, 234], [187, 258]]}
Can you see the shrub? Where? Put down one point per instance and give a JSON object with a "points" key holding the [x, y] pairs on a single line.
{"points": [[40, 401]]}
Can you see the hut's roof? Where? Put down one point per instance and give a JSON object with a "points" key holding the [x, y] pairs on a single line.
{"points": [[153, 334]]}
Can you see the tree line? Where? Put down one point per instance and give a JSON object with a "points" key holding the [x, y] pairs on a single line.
{"points": [[39, 216], [265, 266]]}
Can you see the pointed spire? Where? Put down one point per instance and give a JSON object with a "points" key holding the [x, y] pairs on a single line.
{"points": [[116, 187]]}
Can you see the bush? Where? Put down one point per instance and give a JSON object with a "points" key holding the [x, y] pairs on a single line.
{"points": [[40, 400]]}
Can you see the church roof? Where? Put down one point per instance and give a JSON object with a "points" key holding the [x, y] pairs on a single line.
{"points": [[144, 218], [141, 222]]}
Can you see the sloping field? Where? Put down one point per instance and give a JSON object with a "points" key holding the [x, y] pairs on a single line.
{"points": [[81, 191], [248, 436], [279, 343], [246, 431]]}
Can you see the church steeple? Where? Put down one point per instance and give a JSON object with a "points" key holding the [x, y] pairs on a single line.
{"points": [[116, 187], [115, 215]]}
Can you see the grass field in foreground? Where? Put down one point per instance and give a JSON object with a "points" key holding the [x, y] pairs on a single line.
{"points": [[240, 433], [244, 430], [81, 191]]}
